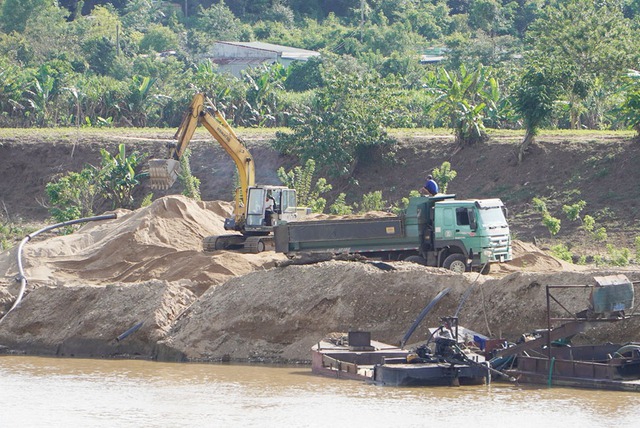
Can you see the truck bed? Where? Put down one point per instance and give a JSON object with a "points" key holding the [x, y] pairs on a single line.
{"points": [[353, 235]]}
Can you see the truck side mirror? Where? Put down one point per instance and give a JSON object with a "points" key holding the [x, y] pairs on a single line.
{"points": [[505, 212], [473, 224]]}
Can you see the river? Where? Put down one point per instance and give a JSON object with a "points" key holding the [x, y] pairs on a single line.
{"points": [[54, 392]]}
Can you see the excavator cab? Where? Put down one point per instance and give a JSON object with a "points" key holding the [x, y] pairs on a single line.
{"points": [[260, 216]]}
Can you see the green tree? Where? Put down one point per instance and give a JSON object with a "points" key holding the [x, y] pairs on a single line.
{"points": [[15, 13], [630, 108], [540, 86], [301, 179], [460, 96], [216, 22], [593, 38], [346, 122], [190, 183], [372, 201], [444, 175], [73, 195], [159, 38]]}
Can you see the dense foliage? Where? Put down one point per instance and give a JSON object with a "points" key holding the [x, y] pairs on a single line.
{"points": [[138, 62]]}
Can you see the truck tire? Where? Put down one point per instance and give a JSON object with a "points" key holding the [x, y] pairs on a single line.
{"points": [[416, 259], [456, 262], [485, 269]]}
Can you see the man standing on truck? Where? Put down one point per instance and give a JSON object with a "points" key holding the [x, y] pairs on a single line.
{"points": [[430, 187]]}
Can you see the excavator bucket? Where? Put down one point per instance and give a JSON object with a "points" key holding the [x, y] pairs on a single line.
{"points": [[163, 173]]}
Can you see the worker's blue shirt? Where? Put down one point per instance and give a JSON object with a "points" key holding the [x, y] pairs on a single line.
{"points": [[431, 186]]}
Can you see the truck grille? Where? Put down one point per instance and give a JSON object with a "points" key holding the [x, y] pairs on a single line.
{"points": [[500, 245]]}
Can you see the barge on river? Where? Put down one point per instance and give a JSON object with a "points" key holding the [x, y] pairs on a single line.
{"points": [[356, 356]]}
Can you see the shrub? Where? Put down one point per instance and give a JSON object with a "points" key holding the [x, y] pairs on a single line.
{"points": [[301, 179], [190, 183], [552, 223], [73, 195], [118, 176], [339, 206], [573, 211], [372, 201], [444, 175], [562, 252]]}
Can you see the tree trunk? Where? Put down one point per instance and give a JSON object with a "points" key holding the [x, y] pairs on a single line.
{"points": [[529, 137]]}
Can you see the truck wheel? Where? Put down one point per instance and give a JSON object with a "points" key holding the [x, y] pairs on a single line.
{"points": [[456, 262], [416, 259], [486, 270]]}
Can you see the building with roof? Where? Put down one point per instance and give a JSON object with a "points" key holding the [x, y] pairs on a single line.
{"points": [[233, 57]]}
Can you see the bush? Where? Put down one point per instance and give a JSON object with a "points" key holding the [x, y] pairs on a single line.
{"points": [[301, 179], [73, 195], [118, 176], [562, 252], [372, 201], [339, 206]]}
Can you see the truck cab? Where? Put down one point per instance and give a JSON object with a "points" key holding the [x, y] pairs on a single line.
{"points": [[475, 230]]}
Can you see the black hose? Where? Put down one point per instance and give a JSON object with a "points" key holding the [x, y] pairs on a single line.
{"points": [[423, 314], [128, 332], [21, 277]]}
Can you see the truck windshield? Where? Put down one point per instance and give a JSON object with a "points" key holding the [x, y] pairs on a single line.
{"points": [[492, 217]]}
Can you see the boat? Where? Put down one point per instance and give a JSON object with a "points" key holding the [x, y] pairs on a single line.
{"points": [[444, 360], [547, 356]]}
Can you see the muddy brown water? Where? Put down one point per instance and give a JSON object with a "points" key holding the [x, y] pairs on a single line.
{"points": [[51, 392]]}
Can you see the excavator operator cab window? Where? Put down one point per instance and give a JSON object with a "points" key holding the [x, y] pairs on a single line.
{"points": [[256, 201]]}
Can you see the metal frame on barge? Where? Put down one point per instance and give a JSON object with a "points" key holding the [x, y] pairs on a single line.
{"points": [[547, 357]]}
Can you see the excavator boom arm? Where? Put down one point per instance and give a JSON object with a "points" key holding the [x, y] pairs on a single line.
{"points": [[164, 171]]}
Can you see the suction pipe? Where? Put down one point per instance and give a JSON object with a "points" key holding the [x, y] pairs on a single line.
{"points": [[21, 277]]}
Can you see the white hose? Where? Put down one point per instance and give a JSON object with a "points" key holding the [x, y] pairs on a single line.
{"points": [[21, 277]]}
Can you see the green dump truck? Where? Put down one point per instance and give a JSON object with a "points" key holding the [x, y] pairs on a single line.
{"points": [[440, 231]]}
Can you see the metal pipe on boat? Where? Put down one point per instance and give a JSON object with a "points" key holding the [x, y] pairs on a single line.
{"points": [[21, 276], [553, 360]]}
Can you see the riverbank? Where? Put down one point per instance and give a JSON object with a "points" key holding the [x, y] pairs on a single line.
{"points": [[146, 271]]}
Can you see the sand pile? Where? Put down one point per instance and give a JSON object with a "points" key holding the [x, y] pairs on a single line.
{"points": [[529, 258], [146, 271], [161, 241]]}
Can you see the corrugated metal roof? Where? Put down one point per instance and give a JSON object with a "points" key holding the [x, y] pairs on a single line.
{"points": [[283, 51]]}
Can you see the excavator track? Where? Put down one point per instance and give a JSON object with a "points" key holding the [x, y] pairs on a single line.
{"points": [[251, 244], [258, 244], [223, 242]]}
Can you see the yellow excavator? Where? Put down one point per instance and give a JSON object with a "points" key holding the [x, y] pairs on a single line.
{"points": [[258, 208]]}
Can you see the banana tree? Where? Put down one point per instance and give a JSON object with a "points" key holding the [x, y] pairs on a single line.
{"points": [[118, 176], [39, 97], [459, 96], [137, 102]]}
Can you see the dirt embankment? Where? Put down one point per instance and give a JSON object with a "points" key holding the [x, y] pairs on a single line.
{"points": [[140, 286]]}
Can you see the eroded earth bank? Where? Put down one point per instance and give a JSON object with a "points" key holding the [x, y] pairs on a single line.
{"points": [[140, 286]]}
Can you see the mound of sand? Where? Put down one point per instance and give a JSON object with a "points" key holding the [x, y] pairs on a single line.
{"points": [[146, 271], [529, 258], [160, 241]]}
